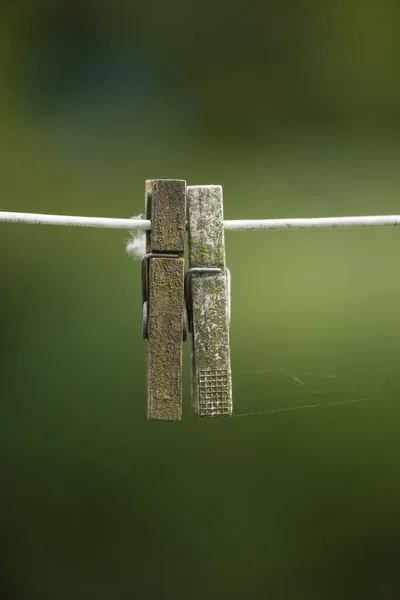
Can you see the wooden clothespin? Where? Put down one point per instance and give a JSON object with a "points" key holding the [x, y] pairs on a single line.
{"points": [[163, 296], [207, 285]]}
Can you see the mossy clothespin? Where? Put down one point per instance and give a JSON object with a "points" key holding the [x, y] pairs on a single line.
{"points": [[163, 296], [207, 286]]}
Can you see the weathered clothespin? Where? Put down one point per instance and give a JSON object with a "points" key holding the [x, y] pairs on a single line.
{"points": [[207, 285], [163, 296]]}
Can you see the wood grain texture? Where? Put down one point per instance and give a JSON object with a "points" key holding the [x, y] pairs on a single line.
{"points": [[165, 339], [211, 367], [166, 207]]}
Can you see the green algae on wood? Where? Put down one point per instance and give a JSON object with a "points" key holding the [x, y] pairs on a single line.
{"points": [[211, 367], [165, 334], [166, 208]]}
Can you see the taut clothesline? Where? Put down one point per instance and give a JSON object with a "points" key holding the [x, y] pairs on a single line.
{"points": [[236, 225]]}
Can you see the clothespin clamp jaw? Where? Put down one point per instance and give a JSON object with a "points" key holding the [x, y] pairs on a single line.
{"points": [[163, 296], [145, 290], [207, 286], [188, 293]]}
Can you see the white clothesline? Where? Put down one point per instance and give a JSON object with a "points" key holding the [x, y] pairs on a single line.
{"points": [[237, 225]]}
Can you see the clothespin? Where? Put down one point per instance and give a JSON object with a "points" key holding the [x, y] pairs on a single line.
{"points": [[207, 286], [163, 296]]}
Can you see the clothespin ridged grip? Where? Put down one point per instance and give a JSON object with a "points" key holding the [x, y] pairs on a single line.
{"points": [[166, 208], [208, 303]]}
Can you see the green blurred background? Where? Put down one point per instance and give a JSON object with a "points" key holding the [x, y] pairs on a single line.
{"points": [[294, 107]]}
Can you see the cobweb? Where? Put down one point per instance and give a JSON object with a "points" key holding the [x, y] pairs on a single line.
{"points": [[279, 390]]}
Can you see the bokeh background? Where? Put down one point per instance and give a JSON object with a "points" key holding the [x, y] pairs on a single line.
{"points": [[294, 107]]}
